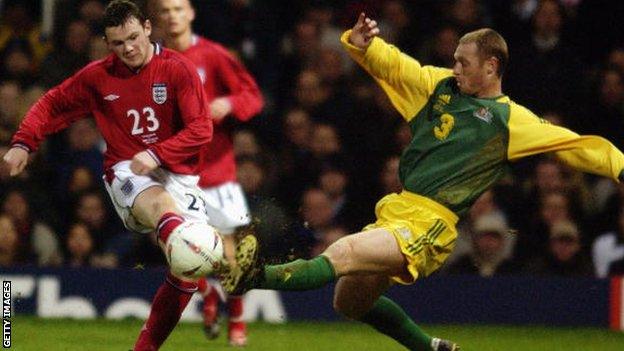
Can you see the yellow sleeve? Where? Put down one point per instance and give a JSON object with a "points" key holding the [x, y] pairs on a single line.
{"points": [[530, 135], [405, 81]]}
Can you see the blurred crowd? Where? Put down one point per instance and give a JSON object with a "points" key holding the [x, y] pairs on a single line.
{"points": [[327, 145]]}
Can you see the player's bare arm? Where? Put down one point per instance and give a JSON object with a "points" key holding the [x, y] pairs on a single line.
{"points": [[17, 159], [363, 32]]}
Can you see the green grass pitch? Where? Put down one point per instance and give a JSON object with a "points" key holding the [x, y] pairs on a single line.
{"points": [[29, 333]]}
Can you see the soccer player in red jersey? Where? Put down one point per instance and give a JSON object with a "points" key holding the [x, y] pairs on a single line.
{"points": [[231, 91], [152, 111]]}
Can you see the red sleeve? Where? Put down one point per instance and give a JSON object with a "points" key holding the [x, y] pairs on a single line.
{"points": [[54, 111], [193, 110], [245, 96]]}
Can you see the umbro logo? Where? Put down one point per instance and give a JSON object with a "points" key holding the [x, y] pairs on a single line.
{"points": [[111, 97]]}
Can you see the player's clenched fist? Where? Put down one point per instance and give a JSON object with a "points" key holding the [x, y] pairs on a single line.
{"points": [[364, 30], [220, 107], [143, 163], [17, 159]]}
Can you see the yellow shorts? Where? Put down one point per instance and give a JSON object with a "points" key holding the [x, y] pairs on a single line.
{"points": [[424, 229]]}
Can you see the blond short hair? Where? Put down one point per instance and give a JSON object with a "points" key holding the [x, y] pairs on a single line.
{"points": [[490, 44]]}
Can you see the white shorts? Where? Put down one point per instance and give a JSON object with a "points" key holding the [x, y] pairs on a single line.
{"points": [[126, 186], [226, 207]]}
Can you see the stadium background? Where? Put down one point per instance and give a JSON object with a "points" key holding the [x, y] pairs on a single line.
{"points": [[326, 147]]}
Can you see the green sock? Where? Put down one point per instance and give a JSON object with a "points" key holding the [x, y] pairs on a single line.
{"points": [[298, 275], [389, 318]]}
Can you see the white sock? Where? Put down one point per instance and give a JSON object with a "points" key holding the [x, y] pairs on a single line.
{"points": [[435, 342]]}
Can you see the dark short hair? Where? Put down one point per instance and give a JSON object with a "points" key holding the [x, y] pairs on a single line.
{"points": [[118, 12]]}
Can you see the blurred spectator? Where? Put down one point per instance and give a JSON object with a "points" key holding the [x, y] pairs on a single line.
{"points": [[390, 182], [81, 180], [69, 54], [325, 141], [97, 48], [513, 18], [440, 50], [605, 112], [245, 143], [347, 210], [321, 14], [402, 136], [325, 102], [316, 216], [79, 245], [17, 63], [564, 257], [550, 175], [18, 25], [316, 210], [37, 242], [596, 28], [395, 26], [609, 247], [79, 146], [553, 207], [325, 147], [616, 59], [9, 243], [10, 92], [490, 246], [549, 53], [330, 68], [485, 207], [4, 168], [299, 49], [111, 242], [467, 15], [92, 12], [310, 91], [297, 129]]}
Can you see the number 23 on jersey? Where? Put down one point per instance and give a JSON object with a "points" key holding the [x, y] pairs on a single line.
{"points": [[148, 115]]}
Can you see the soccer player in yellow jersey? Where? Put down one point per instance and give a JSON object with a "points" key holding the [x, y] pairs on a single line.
{"points": [[465, 134]]}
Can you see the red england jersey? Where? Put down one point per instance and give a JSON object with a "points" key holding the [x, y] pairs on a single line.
{"points": [[161, 108], [223, 76]]}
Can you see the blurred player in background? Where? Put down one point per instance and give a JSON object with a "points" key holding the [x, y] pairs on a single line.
{"points": [[231, 91], [152, 111], [465, 133]]}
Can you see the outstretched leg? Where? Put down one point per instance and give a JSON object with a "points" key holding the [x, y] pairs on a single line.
{"points": [[359, 297], [169, 303], [374, 251]]}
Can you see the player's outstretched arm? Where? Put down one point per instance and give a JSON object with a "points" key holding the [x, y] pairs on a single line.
{"points": [[405, 81], [530, 135], [17, 159], [364, 30]]}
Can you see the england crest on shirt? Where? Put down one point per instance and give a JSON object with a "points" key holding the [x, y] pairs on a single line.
{"points": [[159, 93]]}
